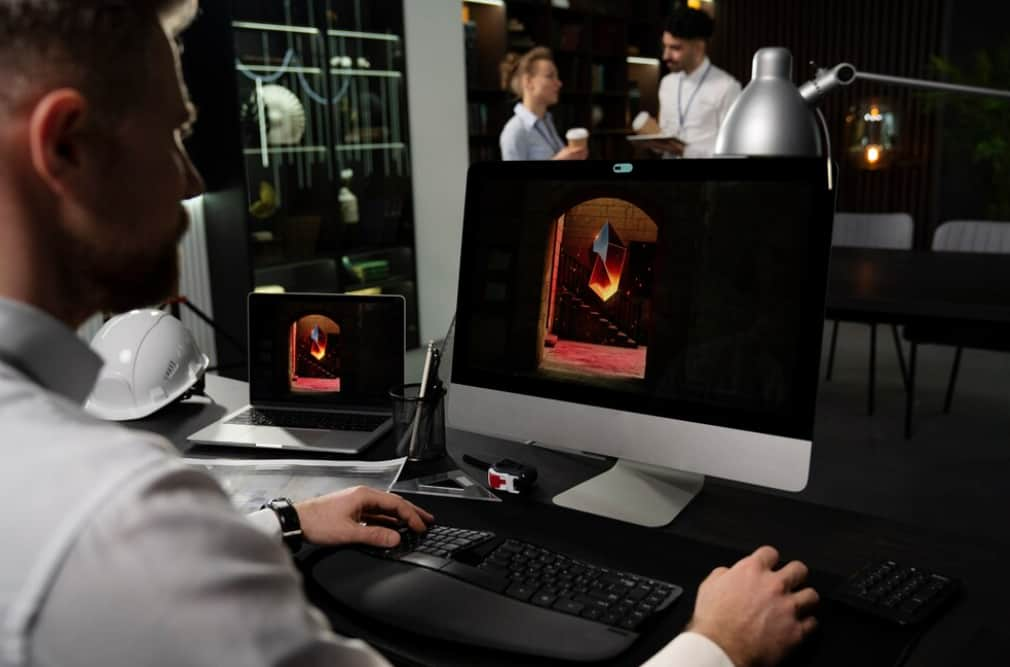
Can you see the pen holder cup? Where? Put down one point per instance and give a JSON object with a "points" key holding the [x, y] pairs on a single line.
{"points": [[419, 423]]}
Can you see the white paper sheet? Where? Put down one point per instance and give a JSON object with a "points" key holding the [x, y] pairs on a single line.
{"points": [[252, 482]]}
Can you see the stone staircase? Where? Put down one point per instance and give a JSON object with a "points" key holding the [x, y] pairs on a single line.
{"points": [[576, 319]]}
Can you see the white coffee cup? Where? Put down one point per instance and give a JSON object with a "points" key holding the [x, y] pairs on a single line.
{"points": [[578, 137], [643, 123]]}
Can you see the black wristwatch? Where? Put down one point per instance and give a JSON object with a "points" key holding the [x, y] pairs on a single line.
{"points": [[287, 515]]}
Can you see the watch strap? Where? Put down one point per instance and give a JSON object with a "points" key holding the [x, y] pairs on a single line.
{"points": [[287, 516]]}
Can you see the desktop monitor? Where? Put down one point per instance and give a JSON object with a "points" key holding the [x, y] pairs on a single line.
{"points": [[665, 313]]}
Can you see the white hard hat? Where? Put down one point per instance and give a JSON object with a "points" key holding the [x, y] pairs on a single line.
{"points": [[150, 359]]}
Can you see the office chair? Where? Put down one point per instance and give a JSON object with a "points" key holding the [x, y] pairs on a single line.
{"points": [[964, 236], [871, 230]]}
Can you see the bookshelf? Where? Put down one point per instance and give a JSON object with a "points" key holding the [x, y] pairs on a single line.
{"points": [[325, 146]]}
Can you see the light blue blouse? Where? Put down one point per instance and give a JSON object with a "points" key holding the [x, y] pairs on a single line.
{"points": [[526, 137]]}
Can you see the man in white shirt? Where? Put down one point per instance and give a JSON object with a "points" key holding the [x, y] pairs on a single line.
{"points": [[115, 552], [696, 95]]}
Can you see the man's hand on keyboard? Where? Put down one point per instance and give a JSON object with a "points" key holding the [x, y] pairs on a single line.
{"points": [[359, 516], [756, 614]]}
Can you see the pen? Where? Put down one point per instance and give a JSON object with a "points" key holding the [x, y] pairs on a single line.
{"points": [[421, 392]]}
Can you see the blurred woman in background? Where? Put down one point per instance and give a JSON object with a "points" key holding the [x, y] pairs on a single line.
{"points": [[530, 133]]}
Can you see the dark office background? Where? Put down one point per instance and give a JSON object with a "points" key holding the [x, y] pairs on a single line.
{"points": [[933, 176]]}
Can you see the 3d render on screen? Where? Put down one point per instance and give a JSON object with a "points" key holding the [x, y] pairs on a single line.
{"points": [[600, 292], [314, 355]]}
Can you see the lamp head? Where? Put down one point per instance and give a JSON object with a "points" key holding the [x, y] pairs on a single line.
{"points": [[770, 117]]}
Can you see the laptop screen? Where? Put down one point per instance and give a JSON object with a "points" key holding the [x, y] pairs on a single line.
{"points": [[325, 350]]}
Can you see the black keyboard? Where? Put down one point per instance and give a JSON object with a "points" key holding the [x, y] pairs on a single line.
{"points": [[897, 593], [497, 592], [325, 421]]}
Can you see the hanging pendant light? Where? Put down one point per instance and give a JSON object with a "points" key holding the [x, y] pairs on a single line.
{"points": [[872, 130]]}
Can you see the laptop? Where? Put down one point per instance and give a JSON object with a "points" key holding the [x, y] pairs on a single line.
{"points": [[320, 370]]}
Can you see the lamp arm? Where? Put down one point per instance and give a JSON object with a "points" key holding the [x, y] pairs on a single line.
{"points": [[844, 74]]}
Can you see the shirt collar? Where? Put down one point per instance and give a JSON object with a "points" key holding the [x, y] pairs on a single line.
{"points": [[39, 345], [528, 118], [699, 71]]}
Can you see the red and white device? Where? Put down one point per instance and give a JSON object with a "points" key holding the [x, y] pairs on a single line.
{"points": [[502, 481], [506, 475]]}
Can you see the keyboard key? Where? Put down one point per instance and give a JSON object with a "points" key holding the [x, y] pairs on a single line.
{"points": [[569, 606], [632, 620], [639, 593], [617, 580], [604, 595], [591, 602], [424, 560], [620, 590], [520, 591], [544, 599], [910, 606], [611, 618]]}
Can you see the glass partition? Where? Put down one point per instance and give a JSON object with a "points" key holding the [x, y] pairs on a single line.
{"points": [[323, 116]]}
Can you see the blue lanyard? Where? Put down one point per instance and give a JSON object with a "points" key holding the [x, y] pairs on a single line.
{"points": [[680, 89]]}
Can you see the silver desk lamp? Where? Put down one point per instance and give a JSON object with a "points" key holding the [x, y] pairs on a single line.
{"points": [[774, 117]]}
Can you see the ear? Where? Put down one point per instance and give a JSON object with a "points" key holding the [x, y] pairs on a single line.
{"points": [[57, 139]]}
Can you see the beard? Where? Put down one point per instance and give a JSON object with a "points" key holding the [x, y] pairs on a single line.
{"points": [[672, 66], [115, 274]]}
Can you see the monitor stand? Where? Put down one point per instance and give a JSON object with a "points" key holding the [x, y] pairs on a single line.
{"points": [[646, 495]]}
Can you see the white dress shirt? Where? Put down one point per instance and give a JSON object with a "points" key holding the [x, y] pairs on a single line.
{"points": [[693, 106], [116, 553], [527, 137]]}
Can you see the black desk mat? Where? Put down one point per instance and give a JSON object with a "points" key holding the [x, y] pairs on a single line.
{"points": [[843, 638]]}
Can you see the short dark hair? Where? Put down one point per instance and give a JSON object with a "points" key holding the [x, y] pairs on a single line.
{"points": [[98, 46], [687, 23]]}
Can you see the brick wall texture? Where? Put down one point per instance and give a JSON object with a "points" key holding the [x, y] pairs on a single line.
{"points": [[584, 221]]}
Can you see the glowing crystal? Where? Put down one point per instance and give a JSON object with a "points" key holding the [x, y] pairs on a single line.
{"points": [[608, 265], [318, 347]]}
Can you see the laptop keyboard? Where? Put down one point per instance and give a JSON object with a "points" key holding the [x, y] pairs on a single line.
{"points": [[325, 421], [536, 575]]}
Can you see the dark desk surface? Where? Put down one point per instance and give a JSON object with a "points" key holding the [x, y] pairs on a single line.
{"points": [[725, 521], [913, 287]]}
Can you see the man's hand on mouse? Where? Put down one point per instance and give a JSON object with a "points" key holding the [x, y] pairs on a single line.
{"points": [[754, 613], [359, 515]]}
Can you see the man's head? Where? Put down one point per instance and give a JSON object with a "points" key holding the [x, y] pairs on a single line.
{"points": [[685, 39], [92, 168]]}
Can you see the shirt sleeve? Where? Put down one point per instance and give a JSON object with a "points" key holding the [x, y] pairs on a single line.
{"points": [[728, 98], [690, 649], [266, 522], [667, 105], [513, 143], [171, 575]]}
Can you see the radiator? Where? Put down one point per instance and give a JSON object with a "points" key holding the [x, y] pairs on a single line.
{"points": [[194, 284]]}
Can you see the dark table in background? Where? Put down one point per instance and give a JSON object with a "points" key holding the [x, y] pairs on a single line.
{"points": [[724, 522], [947, 298]]}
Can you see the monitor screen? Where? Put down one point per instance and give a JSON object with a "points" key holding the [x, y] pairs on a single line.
{"points": [[676, 289], [325, 349]]}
